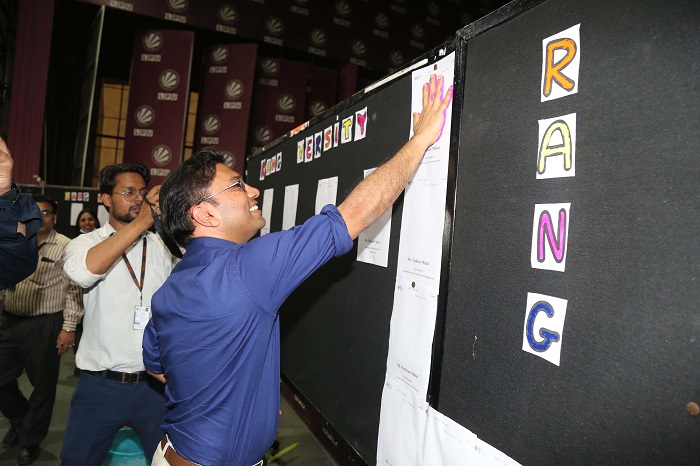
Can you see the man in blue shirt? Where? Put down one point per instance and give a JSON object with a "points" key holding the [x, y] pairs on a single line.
{"points": [[214, 334]]}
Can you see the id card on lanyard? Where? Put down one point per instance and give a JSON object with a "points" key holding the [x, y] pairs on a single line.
{"points": [[142, 314]]}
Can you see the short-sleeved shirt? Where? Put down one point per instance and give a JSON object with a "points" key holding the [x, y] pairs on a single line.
{"points": [[215, 336]]}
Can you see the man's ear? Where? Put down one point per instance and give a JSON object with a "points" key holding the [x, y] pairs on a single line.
{"points": [[107, 200], [206, 215]]}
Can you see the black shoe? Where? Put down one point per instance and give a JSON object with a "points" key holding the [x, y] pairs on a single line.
{"points": [[28, 454], [11, 437]]}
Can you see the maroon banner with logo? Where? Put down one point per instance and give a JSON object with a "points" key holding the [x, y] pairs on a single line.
{"points": [[158, 96], [322, 91], [287, 25], [278, 100], [225, 100]]}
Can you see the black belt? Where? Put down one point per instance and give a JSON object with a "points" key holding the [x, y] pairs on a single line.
{"points": [[123, 377]]}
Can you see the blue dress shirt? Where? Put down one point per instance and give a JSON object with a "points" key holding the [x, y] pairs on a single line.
{"points": [[215, 335]]}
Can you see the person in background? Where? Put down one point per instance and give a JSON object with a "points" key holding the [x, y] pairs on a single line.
{"points": [[87, 221], [119, 266], [20, 219], [38, 326], [214, 335]]}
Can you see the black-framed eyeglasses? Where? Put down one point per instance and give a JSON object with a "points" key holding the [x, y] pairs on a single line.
{"points": [[46, 213], [130, 194], [239, 183]]}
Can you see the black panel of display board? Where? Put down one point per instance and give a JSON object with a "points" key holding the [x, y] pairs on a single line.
{"points": [[335, 327], [630, 342]]}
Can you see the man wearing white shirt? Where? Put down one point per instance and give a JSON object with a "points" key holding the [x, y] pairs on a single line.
{"points": [[119, 266]]}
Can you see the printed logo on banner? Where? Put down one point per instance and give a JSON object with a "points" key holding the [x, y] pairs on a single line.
{"points": [[286, 103], [161, 155], [274, 26], [433, 9], [211, 124], [152, 41], [169, 80], [381, 20], [418, 32], [262, 169], [227, 14], [550, 236], [418, 36], [263, 135], [269, 67], [543, 329], [234, 89], [178, 6], [317, 108], [561, 57], [359, 48], [229, 159], [318, 37], [556, 157], [144, 115], [301, 10], [126, 6], [219, 55], [396, 58], [342, 8]]}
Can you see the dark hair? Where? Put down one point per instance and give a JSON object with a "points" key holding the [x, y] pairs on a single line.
{"points": [[183, 188], [86, 211], [109, 174], [47, 199]]}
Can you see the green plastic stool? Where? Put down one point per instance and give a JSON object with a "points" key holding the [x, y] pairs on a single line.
{"points": [[126, 450]]}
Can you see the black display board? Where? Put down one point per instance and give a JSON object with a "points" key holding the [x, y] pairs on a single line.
{"points": [[335, 327], [631, 339]]}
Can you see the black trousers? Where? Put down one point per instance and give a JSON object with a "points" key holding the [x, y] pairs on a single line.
{"points": [[29, 343]]}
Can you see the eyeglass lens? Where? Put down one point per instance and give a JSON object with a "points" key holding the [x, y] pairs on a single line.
{"points": [[130, 194]]}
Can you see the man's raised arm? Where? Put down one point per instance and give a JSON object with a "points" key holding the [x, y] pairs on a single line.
{"points": [[104, 254], [376, 193]]}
